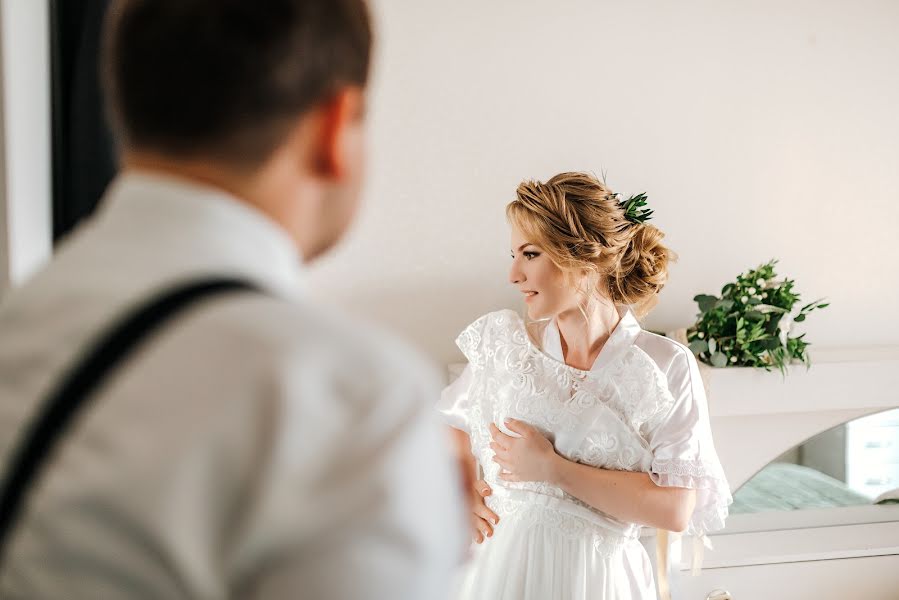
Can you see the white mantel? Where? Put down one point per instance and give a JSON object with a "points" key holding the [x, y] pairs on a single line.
{"points": [[757, 415]]}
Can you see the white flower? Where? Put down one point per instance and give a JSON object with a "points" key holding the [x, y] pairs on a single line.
{"points": [[760, 282], [700, 335], [733, 359], [744, 299], [786, 326], [752, 291]]}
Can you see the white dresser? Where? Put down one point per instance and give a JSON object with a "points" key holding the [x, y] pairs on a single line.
{"points": [[844, 553]]}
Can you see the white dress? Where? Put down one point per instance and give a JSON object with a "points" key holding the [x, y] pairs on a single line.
{"points": [[641, 407]]}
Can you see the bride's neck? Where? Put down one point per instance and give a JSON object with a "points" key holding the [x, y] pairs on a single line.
{"points": [[582, 340]]}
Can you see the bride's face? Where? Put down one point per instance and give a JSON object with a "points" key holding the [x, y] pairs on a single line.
{"points": [[546, 290]]}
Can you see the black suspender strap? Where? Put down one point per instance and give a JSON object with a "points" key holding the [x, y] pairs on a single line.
{"points": [[73, 394]]}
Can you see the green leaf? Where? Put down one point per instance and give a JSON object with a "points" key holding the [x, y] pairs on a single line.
{"points": [[719, 360], [754, 315], [771, 343], [705, 302], [713, 346], [799, 318], [699, 346], [724, 305], [814, 305]]}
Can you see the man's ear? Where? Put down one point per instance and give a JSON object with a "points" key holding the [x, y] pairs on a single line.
{"points": [[333, 125]]}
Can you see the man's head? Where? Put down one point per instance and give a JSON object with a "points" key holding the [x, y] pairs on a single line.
{"points": [[262, 98]]}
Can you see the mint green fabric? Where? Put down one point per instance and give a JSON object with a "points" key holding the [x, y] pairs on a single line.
{"points": [[785, 486]]}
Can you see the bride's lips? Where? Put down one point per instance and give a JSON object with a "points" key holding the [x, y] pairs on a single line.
{"points": [[529, 295]]}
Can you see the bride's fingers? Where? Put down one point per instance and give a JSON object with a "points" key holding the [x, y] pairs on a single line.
{"points": [[501, 453], [485, 513], [482, 529], [486, 528], [482, 487], [501, 438], [476, 526], [504, 464], [497, 449], [520, 427]]}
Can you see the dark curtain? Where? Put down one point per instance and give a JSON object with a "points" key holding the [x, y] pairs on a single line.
{"points": [[84, 158]]}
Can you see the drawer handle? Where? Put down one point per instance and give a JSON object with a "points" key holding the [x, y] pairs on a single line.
{"points": [[880, 444], [719, 595], [879, 481]]}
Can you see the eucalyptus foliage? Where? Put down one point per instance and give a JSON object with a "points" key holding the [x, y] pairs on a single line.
{"points": [[749, 324]]}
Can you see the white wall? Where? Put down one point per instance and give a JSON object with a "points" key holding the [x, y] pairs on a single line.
{"points": [[25, 167], [759, 129]]}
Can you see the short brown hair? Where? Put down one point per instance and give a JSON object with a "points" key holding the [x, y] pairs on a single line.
{"points": [[577, 220], [224, 79]]}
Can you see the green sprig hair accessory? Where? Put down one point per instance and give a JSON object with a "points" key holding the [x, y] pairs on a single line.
{"points": [[634, 208]]}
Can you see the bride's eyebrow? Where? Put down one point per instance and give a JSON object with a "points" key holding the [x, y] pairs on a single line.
{"points": [[522, 247]]}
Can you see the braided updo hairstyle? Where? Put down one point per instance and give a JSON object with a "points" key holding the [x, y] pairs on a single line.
{"points": [[577, 221]]}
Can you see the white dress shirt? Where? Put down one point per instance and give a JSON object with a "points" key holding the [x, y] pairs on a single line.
{"points": [[259, 446]]}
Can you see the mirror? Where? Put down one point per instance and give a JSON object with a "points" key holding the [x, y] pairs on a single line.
{"points": [[853, 464]]}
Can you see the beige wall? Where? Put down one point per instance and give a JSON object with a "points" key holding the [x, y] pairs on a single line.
{"points": [[760, 129]]}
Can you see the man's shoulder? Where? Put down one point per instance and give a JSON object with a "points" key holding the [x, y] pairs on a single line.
{"points": [[302, 330]]}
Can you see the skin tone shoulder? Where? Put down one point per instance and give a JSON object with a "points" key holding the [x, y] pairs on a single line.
{"points": [[628, 496]]}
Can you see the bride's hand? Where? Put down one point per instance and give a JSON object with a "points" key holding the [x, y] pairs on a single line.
{"points": [[530, 457], [474, 490], [483, 520]]}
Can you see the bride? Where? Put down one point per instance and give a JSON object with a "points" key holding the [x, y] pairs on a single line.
{"points": [[587, 427]]}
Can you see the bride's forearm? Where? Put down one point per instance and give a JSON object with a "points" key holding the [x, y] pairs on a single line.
{"points": [[628, 496]]}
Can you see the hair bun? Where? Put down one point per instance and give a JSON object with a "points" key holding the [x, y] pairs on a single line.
{"points": [[643, 269]]}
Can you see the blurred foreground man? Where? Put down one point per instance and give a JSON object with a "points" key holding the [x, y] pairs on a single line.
{"points": [[177, 420]]}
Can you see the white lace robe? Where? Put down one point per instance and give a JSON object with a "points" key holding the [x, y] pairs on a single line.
{"points": [[641, 407]]}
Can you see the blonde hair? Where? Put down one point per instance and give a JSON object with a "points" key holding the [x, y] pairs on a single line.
{"points": [[577, 221]]}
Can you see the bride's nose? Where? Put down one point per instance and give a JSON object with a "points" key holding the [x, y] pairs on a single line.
{"points": [[515, 274]]}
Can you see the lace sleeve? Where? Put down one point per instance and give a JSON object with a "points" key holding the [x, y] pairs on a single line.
{"points": [[454, 403], [684, 451], [471, 341]]}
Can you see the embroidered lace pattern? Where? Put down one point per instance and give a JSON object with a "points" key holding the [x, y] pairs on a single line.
{"points": [[603, 415], [523, 514]]}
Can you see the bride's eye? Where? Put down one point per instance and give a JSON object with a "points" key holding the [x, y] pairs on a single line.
{"points": [[531, 255]]}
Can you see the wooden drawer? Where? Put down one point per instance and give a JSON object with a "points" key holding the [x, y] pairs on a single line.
{"points": [[838, 554], [870, 578]]}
